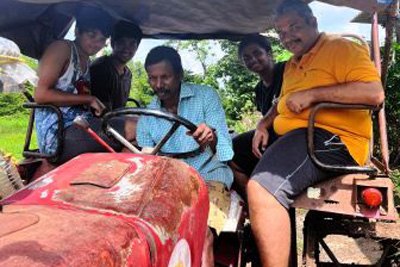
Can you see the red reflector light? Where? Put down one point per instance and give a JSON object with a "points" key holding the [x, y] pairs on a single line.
{"points": [[372, 197]]}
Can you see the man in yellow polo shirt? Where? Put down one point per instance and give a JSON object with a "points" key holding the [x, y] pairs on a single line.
{"points": [[323, 68]]}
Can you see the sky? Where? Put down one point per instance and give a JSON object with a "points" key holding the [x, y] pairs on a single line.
{"points": [[331, 19]]}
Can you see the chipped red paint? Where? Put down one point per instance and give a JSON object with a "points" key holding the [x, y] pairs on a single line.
{"points": [[133, 216]]}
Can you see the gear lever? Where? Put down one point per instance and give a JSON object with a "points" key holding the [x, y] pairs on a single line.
{"points": [[83, 124]]}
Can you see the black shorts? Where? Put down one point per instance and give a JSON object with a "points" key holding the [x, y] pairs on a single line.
{"points": [[243, 154], [76, 141], [286, 170]]}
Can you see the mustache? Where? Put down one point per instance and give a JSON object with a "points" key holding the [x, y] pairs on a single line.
{"points": [[161, 91]]}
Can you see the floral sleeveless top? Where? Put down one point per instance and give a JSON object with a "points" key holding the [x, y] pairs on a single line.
{"points": [[46, 119]]}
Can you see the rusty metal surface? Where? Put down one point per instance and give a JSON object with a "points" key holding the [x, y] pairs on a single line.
{"points": [[158, 191], [56, 240], [338, 195], [13, 222], [102, 174], [163, 199], [335, 195]]}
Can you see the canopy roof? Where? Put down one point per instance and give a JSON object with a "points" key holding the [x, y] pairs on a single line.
{"points": [[32, 24], [366, 17]]}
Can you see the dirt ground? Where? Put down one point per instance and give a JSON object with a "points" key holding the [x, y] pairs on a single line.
{"points": [[346, 249]]}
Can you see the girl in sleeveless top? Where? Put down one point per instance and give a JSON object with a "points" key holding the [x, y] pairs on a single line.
{"points": [[63, 81]]}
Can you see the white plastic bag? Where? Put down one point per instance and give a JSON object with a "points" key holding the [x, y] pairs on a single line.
{"points": [[13, 71]]}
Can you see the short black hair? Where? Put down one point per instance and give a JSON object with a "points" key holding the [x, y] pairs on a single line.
{"points": [[126, 29], [164, 53], [257, 39], [298, 6], [94, 18]]}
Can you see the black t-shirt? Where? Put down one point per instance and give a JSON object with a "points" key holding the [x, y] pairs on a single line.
{"points": [[108, 85], [266, 95]]}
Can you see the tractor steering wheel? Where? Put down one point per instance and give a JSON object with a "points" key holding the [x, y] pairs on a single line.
{"points": [[177, 121]]}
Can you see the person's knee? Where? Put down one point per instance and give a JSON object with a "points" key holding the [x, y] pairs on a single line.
{"points": [[258, 195], [254, 188]]}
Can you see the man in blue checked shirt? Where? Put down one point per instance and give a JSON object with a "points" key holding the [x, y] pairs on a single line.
{"points": [[200, 105]]}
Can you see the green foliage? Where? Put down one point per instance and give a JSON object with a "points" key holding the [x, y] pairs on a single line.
{"points": [[140, 88], [237, 90], [202, 50], [279, 52], [11, 104], [31, 62], [395, 176], [190, 77], [392, 106]]}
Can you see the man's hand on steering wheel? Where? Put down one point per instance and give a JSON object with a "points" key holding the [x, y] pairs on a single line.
{"points": [[204, 136]]}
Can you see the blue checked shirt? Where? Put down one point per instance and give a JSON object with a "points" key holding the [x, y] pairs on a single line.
{"points": [[198, 104]]}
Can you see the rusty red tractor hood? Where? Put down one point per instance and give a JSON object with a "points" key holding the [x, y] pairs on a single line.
{"points": [[107, 210]]}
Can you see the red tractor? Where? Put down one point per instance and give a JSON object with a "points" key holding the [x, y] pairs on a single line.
{"points": [[147, 210], [110, 209]]}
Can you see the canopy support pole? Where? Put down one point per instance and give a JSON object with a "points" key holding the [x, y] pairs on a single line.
{"points": [[381, 116]]}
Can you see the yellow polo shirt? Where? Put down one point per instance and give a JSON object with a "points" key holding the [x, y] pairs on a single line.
{"points": [[333, 60]]}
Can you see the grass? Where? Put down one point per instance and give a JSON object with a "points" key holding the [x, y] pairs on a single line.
{"points": [[12, 135]]}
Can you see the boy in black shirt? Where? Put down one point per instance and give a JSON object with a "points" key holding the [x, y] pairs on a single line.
{"points": [[110, 77], [256, 53]]}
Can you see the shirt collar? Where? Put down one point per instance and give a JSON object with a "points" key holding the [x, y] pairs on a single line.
{"points": [[186, 91], [108, 58], [321, 39]]}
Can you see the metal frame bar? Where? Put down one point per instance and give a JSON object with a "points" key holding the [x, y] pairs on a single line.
{"points": [[60, 133], [310, 139], [381, 115]]}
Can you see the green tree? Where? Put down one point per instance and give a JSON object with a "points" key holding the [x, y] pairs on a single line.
{"points": [[392, 105], [201, 49], [238, 83], [140, 88]]}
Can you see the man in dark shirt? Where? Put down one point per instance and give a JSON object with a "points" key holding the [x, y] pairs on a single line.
{"points": [[255, 51], [110, 77]]}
